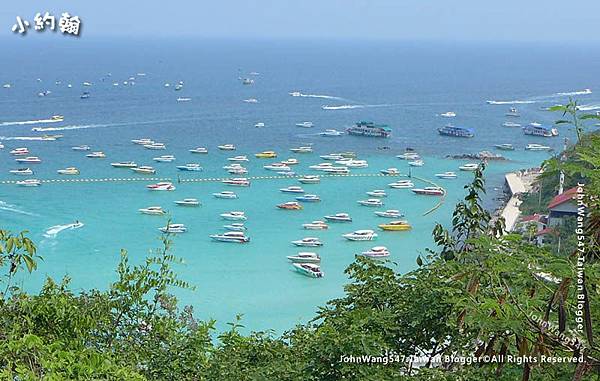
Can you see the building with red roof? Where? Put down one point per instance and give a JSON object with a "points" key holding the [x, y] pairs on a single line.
{"points": [[563, 205]]}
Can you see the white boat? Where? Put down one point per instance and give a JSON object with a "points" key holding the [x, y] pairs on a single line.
{"points": [[188, 202], [29, 159], [332, 156], [409, 156], [402, 184], [164, 158], [237, 182], [19, 151], [144, 169], [6, 86], [292, 189], [512, 112], [290, 161], [377, 193], [96, 155], [339, 217], [337, 170], [331, 133], [377, 252], [470, 167], [155, 146], [226, 147], [361, 235], [371, 202], [225, 195], [321, 166], [124, 164], [315, 225], [173, 228], [446, 175], [309, 198], [505, 147], [233, 166], [305, 124], [309, 269], [354, 163], [390, 213], [234, 216], [162, 186], [238, 159], [143, 141], [308, 242], [277, 167], [259, 125], [309, 179], [231, 236], [429, 191], [537, 147], [190, 167], [21, 171], [236, 227], [29, 183], [303, 149], [183, 99], [199, 150], [238, 171], [152, 210], [448, 114], [390, 172], [304, 257], [81, 148], [251, 100], [511, 124], [68, 171], [416, 163]]}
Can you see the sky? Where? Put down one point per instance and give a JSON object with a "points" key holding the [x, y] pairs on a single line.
{"points": [[445, 20]]}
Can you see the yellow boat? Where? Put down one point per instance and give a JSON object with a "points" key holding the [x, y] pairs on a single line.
{"points": [[396, 226], [266, 155]]}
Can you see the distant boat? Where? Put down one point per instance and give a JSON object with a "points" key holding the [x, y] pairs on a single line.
{"points": [[537, 147], [505, 147], [449, 114], [459, 132], [513, 112], [182, 99], [305, 124], [537, 129], [370, 129], [510, 124], [85, 95]]}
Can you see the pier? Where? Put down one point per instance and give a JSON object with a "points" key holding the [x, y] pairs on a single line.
{"points": [[517, 183]]}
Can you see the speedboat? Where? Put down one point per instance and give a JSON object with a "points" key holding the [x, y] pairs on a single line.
{"points": [[537, 147], [303, 149], [188, 202], [390, 213], [277, 167], [144, 169], [305, 124], [81, 148], [251, 100], [321, 166], [234, 216], [308, 242], [331, 133], [505, 147], [377, 193], [19, 151], [162, 186], [233, 166], [266, 155], [332, 156], [337, 170], [29, 159], [153, 211], [416, 163], [164, 158], [399, 225], [309, 179], [309, 269], [29, 183], [199, 150], [315, 225], [143, 142], [376, 252], [470, 167], [305, 257], [390, 172], [190, 167], [21, 171], [237, 182], [238, 158], [430, 191], [290, 161], [183, 99], [309, 198], [173, 228], [361, 235], [96, 155], [291, 205], [446, 175], [238, 171], [259, 125], [354, 163], [448, 114], [510, 124], [124, 164], [292, 189], [225, 194], [231, 236], [68, 171], [226, 147], [339, 217], [402, 184], [295, 93], [236, 227], [409, 156], [155, 146], [371, 202], [512, 112]]}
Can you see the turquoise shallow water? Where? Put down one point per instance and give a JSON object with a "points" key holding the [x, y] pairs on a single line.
{"points": [[403, 85]]}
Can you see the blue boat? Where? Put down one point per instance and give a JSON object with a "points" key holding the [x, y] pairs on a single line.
{"points": [[458, 132], [309, 198]]}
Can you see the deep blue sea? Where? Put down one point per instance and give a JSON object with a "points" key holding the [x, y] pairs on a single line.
{"points": [[403, 84]]}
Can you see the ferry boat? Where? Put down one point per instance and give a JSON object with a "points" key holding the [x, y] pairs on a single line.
{"points": [[309, 179], [21, 171], [291, 205], [144, 169], [448, 114], [29, 159], [309, 198], [537, 147], [290, 161], [199, 150], [305, 124], [308, 242], [292, 189], [331, 133], [162, 186], [513, 112], [377, 193], [266, 155], [277, 167], [190, 167], [19, 151], [237, 182], [399, 225], [505, 147], [231, 237], [416, 163], [430, 191], [304, 257], [361, 235], [153, 211], [510, 124], [303, 149], [409, 156], [68, 171], [29, 183], [371, 202], [173, 228], [370, 129], [96, 155], [188, 202], [225, 195], [234, 216], [236, 227], [390, 213], [164, 158], [458, 132], [124, 164], [376, 252], [238, 158], [390, 172], [470, 167], [81, 148], [338, 217], [537, 129], [446, 175], [402, 184], [226, 147], [155, 146], [309, 269], [316, 225], [143, 142]]}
